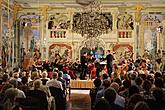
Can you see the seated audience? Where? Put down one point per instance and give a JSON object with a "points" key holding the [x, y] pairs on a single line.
{"points": [[100, 93], [119, 99], [93, 92]]}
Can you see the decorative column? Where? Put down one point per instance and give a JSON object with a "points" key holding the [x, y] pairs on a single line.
{"points": [[163, 35], [44, 38], [16, 9], [0, 31], [138, 8], [115, 31], [73, 43], [159, 38], [114, 15]]}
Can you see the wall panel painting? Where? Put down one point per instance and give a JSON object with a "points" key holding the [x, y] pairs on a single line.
{"points": [[150, 24], [150, 41]]}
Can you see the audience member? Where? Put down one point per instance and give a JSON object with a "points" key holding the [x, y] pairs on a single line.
{"points": [[102, 104], [119, 99], [20, 93], [93, 92], [44, 78], [110, 96], [54, 82], [100, 93], [141, 106], [133, 100]]}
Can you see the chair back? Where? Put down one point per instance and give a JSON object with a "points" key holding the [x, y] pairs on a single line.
{"points": [[38, 96], [58, 94], [3, 100], [28, 103]]}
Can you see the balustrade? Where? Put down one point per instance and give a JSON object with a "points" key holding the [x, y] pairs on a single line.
{"points": [[125, 34], [58, 34]]}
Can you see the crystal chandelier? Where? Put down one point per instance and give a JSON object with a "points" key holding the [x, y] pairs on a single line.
{"points": [[92, 23]]}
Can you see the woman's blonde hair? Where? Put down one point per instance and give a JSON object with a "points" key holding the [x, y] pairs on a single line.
{"points": [[37, 83]]}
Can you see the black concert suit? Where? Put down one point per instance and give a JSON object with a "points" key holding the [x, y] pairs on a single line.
{"points": [[109, 59], [83, 67]]}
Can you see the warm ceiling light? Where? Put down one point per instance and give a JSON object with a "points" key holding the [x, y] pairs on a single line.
{"points": [[84, 2]]}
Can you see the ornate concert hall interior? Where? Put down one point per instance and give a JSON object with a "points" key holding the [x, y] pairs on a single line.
{"points": [[75, 37], [124, 26]]}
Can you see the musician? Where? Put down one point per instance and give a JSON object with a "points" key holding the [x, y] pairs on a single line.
{"points": [[109, 59], [98, 68], [46, 65], [83, 66], [37, 55]]}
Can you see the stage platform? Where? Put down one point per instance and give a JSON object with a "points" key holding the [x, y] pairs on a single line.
{"points": [[80, 84]]}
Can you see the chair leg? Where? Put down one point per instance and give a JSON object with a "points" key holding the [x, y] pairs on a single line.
{"points": [[69, 91]]}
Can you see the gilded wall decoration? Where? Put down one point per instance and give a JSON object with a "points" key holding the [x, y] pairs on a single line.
{"points": [[125, 21], [123, 51], [92, 24], [138, 8], [59, 21]]}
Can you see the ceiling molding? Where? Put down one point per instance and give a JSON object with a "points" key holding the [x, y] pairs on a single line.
{"points": [[80, 3]]}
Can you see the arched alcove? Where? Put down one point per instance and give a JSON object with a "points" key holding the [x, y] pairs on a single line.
{"points": [[92, 46]]}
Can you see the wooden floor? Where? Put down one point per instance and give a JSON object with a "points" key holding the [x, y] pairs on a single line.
{"points": [[79, 100]]}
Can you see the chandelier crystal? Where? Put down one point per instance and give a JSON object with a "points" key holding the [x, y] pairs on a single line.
{"points": [[92, 22]]}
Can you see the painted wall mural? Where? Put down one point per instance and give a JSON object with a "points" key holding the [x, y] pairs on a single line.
{"points": [[157, 18], [150, 25], [150, 41], [31, 26], [152, 20], [7, 37]]}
